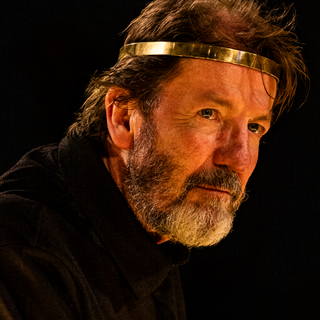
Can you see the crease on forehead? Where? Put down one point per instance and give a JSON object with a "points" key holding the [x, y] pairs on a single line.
{"points": [[227, 79], [227, 103]]}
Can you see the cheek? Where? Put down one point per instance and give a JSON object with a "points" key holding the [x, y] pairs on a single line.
{"points": [[191, 148], [254, 153], [189, 142], [254, 147]]}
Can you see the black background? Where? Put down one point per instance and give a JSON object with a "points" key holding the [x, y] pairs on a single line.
{"points": [[268, 267]]}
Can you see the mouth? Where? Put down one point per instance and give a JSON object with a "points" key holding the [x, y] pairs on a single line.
{"points": [[208, 188]]}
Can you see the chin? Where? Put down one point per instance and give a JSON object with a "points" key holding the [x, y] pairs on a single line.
{"points": [[194, 224]]}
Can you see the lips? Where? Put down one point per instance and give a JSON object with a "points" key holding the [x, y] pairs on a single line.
{"points": [[214, 189]]}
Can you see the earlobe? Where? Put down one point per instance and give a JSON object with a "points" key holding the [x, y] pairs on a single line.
{"points": [[118, 120]]}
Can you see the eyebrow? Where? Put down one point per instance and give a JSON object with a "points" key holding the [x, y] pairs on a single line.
{"points": [[263, 118], [228, 105], [222, 102]]}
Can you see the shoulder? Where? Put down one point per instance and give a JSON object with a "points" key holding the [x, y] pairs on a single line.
{"points": [[33, 169], [19, 219], [30, 190]]}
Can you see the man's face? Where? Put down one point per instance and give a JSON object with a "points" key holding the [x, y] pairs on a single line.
{"points": [[189, 166]]}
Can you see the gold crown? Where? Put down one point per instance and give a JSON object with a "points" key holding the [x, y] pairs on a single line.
{"points": [[204, 51]]}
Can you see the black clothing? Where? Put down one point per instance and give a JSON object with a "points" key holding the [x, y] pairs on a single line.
{"points": [[71, 248]]}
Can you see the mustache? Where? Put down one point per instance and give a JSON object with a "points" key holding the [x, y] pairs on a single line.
{"points": [[218, 178]]}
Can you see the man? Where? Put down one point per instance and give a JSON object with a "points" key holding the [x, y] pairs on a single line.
{"points": [[156, 163]]}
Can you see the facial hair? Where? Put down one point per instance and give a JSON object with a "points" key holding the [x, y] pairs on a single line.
{"points": [[164, 208]]}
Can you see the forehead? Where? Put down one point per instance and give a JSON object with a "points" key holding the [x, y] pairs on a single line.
{"points": [[219, 80]]}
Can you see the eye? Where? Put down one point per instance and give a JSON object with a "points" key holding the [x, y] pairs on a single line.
{"points": [[256, 128], [210, 114]]}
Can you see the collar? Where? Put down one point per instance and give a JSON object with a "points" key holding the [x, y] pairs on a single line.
{"points": [[143, 263]]}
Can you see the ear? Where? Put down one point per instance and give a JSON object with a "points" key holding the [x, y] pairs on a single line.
{"points": [[118, 119]]}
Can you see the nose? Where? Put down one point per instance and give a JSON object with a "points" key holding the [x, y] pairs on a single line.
{"points": [[233, 150]]}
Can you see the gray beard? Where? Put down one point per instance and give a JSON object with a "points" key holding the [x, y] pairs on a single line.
{"points": [[164, 209]]}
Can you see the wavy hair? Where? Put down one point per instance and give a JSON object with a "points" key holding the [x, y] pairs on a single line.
{"points": [[239, 24]]}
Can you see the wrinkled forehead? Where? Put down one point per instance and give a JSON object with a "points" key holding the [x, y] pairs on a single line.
{"points": [[226, 80]]}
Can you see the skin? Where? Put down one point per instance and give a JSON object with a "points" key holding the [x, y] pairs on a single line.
{"points": [[212, 114]]}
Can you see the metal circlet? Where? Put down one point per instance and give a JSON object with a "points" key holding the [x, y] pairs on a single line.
{"points": [[204, 51]]}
